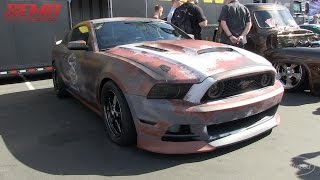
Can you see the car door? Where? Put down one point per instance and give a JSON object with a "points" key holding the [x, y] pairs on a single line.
{"points": [[91, 67], [84, 65], [72, 61]]}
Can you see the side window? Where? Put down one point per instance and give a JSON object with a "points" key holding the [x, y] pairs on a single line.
{"points": [[80, 33]]}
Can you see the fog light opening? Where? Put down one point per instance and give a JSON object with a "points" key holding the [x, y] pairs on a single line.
{"points": [[185, 129], [179, 133], [179, 130], [173, 129]]}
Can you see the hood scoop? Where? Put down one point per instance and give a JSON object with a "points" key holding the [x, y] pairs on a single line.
{"points": [[189, 50], [152, 48], [215, 49]]}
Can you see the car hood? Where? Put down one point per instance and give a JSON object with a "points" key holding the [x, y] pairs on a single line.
{"points": [[293, 53], [189, 59]]}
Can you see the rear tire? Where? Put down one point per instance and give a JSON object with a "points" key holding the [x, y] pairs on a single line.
{"points": [[117, 116], [59, 86]]}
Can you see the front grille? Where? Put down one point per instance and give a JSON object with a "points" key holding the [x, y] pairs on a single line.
{"points": [[218, 131], [241, 85]]}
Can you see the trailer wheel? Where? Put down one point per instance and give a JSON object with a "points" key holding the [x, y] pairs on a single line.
{"points": [[59, 86]]}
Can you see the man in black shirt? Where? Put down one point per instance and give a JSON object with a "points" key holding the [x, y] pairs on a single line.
{"points": [[195, 17], [236, 23]]}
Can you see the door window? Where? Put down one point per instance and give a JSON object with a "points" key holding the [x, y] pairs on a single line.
{"points": [[80, 33]]}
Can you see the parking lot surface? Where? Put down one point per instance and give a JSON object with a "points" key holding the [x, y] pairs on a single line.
{"points": [[44, 137]]}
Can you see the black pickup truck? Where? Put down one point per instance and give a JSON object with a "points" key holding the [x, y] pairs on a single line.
{"points": [[292, 50]]}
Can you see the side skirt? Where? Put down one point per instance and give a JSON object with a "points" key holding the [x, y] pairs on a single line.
{"points": [[86, 103]]}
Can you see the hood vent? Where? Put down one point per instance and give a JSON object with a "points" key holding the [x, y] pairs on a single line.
{"points": [[152, 48], [215, 49]]}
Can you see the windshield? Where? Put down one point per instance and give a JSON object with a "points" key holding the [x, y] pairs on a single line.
{"points": [[111, 34], [274, 18]]}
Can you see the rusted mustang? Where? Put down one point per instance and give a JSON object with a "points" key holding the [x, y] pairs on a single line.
{"points": [[276, 36], [157, 88]]}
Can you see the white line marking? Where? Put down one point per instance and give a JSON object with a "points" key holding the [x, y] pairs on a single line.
{"points": [[30, 87], [28, 84]]}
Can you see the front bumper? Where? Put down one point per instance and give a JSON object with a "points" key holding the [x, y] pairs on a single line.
{"points": [[159, 146], [210, 123]]}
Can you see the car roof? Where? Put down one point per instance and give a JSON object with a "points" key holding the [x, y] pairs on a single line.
{"points": [[265, 6], [127, 19]]}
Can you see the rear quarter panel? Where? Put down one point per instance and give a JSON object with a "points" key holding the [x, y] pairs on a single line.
{"points": [[59, 54]]}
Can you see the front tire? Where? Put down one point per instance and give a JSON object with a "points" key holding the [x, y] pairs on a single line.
{"points": [[292, 76], [117, 116]]}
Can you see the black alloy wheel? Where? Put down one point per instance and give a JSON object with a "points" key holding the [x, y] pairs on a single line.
{"points": [[117, 115]]}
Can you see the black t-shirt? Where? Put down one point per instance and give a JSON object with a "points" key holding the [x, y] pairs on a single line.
{"points": [[196, 16], [236, 16]]}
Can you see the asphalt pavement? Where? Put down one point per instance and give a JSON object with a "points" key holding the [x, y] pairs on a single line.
{"points": [[44, 137]]}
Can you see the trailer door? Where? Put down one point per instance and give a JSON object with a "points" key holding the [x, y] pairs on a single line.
{"points": [[26, 43], [83, 10]]}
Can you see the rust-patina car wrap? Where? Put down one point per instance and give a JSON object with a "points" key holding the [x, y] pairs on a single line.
{"points": [[202, 116], [175, 95]]}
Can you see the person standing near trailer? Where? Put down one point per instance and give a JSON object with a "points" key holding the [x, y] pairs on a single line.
{"points": [[235, 22]]}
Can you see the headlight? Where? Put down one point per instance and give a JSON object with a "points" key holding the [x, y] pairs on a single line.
{"points": [[216, 90], [169, 91]]}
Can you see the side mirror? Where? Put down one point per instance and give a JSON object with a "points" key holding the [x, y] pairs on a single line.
{"points": [[78, 45]]}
